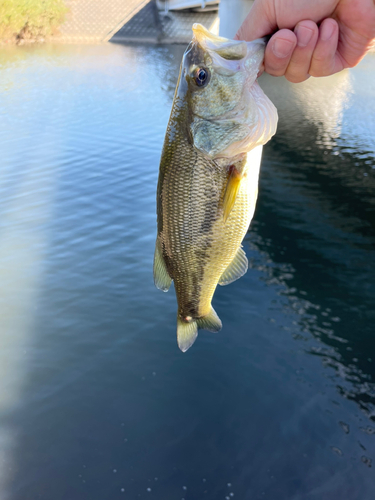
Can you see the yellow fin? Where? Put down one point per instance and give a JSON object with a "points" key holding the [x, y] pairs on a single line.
{"points": [[236, 268], [231, 191], [187, 333], [210, 322]]}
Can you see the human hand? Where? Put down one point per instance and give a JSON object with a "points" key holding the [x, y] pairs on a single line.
{"points": [[345, 33]]}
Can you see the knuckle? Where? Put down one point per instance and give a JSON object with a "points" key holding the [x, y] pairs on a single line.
{"points": [[275, 71], [275, 68], [320, 58], [309, 24], [294, 78], [314, 72], [318, 71]]}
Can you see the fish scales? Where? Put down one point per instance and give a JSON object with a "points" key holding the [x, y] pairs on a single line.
{"points": [[206, 197], [197, 245]]}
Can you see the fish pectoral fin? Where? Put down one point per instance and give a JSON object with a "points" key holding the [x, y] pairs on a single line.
{"points": [[210, 322], [162, 279], [231, 192], [236, 268], [187, 332]]}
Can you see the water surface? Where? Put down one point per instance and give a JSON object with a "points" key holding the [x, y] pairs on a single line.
{"points": [[96, 400]]}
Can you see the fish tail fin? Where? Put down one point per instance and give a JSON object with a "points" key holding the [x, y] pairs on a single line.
{"points": [[210, 322], [187, 331]]}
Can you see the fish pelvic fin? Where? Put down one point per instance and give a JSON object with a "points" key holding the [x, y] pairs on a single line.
{"points": [[236, 269], [187, 331], [162, 279], [231, 192]]}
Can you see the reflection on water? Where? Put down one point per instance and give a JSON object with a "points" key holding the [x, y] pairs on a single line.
{"points": [[332, 181], [96, 400]]}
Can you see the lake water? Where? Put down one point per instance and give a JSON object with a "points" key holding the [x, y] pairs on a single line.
{"points": [[96, 400]]}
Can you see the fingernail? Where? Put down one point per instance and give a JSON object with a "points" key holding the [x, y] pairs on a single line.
{"points": [[304, 35], [282, 47], [326, 31]]}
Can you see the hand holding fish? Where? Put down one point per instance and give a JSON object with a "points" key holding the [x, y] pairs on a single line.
{"points": [[314, 38]]}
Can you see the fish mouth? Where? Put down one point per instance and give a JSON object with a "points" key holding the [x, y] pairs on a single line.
{"points": [[225, 47], [252, 120], [230, 56]]}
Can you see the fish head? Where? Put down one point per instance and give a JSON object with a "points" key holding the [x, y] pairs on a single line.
{"points": [[228, 113]]}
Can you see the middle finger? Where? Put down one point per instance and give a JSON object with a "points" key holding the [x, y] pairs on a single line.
{"points": [[307, 33], [278, 52]]}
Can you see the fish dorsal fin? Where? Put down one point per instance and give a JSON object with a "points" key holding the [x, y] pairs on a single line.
{"points": [[236, 268], [162, 279], [231, 192]]}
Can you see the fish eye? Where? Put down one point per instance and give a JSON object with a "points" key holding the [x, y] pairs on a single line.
{"points": [[201, 76]]}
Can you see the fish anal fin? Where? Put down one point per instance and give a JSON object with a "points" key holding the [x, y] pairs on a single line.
{"points": [[236, 268], [162, 279], [231, 191]]}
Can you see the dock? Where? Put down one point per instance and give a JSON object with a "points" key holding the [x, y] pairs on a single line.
{"points": [[97, 21]]}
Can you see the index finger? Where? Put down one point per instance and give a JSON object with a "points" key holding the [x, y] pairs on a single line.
{"points": [[257, 23]]}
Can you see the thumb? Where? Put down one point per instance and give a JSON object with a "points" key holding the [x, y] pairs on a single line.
{"points": [[260, 21]]}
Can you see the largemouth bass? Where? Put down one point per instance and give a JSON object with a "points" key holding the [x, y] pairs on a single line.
{"points": [[208, 179]]}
